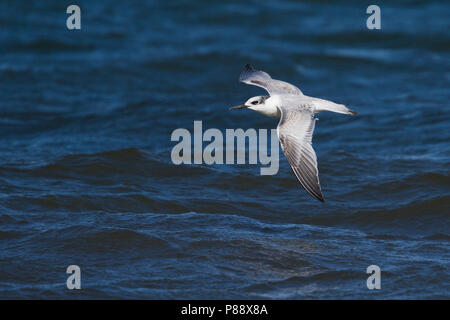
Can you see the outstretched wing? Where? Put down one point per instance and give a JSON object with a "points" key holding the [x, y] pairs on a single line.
{"points": [[263, 80], [295, 131]]}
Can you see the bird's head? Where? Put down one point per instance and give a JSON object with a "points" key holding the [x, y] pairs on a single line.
{"points": [[254, 103]]}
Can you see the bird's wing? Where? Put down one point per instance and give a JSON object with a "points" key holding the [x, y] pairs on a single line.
{"points": [[295, 131], [263, 80]]}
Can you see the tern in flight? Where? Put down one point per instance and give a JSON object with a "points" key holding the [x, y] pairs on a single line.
{"points": [[295, 129]]}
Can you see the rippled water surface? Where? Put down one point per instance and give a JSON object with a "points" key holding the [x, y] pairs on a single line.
{"points": [[86, 176]]}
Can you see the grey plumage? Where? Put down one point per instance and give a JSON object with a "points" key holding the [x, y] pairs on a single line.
{"points": [[263, 80], [296, 126], [295, 131]]}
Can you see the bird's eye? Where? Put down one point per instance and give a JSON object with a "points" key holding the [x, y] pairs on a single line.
{"points": [[255, 102]]}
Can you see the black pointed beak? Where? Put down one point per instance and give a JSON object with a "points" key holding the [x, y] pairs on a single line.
{"points": [[241, 106]]}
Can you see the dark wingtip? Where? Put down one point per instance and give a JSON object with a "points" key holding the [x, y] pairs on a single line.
{"points": [[248, 67], [320, 198], [247, 70], [352, 112]]}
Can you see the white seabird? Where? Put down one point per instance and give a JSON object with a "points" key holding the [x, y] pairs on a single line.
{"points": [[296, 125]]}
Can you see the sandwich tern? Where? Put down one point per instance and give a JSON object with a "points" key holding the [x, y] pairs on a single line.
{"points": [[295, 129]]}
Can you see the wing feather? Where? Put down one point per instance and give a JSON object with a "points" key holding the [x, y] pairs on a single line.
{"points": [[263, 80], [295, 131]]}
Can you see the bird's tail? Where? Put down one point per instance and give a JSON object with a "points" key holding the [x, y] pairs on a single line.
{"points": [[325, 105]]}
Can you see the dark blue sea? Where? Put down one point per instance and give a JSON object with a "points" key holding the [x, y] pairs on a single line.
{"points": [[86, 176]]}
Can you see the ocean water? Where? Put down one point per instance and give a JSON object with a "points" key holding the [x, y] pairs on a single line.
{"points": [[86, 176]]}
